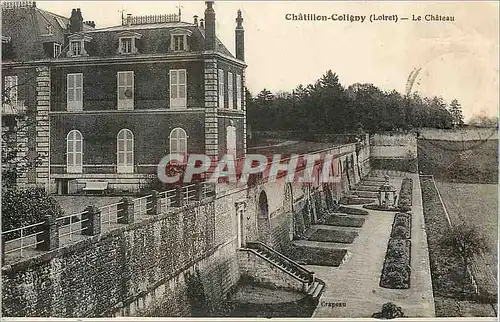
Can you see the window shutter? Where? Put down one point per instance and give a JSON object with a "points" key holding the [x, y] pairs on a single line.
{"points": [[74, 92], [221, 88], [125, 90], [10, 86], [239, 98], [230, 97], [178, 88]]}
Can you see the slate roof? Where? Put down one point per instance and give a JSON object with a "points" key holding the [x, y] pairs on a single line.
{"points": [[27, 28], [155, 38]]}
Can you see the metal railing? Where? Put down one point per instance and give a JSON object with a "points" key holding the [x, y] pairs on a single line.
{"points": [[109, 214], [207, 189], [188, 193], [68, 226], [24, 240], [142, 205], [69, 229], [167, 199]]}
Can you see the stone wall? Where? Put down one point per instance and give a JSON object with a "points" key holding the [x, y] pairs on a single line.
{"points": [[140, 269], [462, 134], [394, 151], [256, 269], [134, 270]]}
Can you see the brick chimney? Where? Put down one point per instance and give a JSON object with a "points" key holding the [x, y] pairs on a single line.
{"points": [[210, 38], [195, 20], [240, 37], [75, 21], [202, 23]]}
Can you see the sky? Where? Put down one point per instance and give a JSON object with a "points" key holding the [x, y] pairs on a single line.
{"points": [[458, 59]]}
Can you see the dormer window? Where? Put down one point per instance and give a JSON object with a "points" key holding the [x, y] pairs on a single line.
{"points": [[126, 45], [178, 43], [77, 45], [127, 42], [76, 48], [57, 50], [179, 39]]}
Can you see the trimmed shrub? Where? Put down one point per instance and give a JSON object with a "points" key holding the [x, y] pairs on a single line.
{"points": [[401, 227], [400, 232], [26, 207], [405, 196], [389, 311], [396, 271]]}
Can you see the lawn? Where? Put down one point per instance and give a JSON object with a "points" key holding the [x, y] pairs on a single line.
{"points": [[76, 204], [449, 279], [476, 204], [459, 161], [333, 236]]}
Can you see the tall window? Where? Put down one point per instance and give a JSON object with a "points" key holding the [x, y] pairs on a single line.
{"points": [[221, 88], [75, 92], [74, 152], [239, 97], [125, 151], [230, 90], [178, 42], [178, 82], [178, 141], [57, 50], [231, 140], [76, 48], [126, 45], [125, 90], [10, 88]]}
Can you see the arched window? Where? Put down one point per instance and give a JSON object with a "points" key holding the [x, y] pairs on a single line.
{"points": [[263, 205], [231, 140], [125, 151], [74, 152], [178, 141]]}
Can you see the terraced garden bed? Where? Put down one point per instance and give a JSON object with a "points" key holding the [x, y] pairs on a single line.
{"points": [[343, 221], [396, 270], [356, 201], [333, 236], [401, 227], [352, 211], [306, 255], [406, 195], [368, 188], [380, 208]]}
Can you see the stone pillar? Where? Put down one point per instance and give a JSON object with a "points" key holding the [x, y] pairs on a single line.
{"points": [[244, 108], [211, 104], [126, 211], [49, 237], [42, 125], [91, 221], [239, 37], [154, 204]]}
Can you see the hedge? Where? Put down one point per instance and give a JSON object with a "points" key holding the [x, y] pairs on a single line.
{"points": [[405, 196], [401, 227], [396, 271]]}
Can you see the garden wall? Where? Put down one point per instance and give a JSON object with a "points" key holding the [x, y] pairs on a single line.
{"points": [[394, 151]]}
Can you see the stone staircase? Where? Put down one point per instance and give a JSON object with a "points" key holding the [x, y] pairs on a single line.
{"points": [[311, 285]]}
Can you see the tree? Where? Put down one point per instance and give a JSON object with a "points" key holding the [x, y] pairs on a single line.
{"points": [[456, 113], [483, 121], [15, 123], [467, 240]]}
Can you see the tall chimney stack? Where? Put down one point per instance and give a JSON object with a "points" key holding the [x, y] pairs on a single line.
{"points": [[195, 20], [202, 23], [210, 39], [240, 37]]}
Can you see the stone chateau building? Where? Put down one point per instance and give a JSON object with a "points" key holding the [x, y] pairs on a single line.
{"points": [[106, 104]]}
